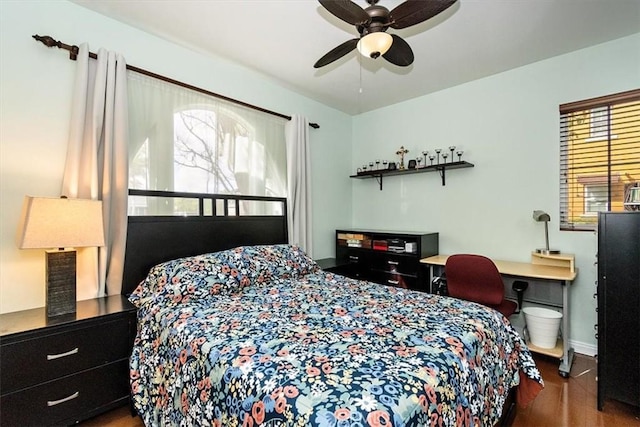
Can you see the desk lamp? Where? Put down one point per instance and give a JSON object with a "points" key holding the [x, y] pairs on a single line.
{"points": [[65, 224], [541, 216]]}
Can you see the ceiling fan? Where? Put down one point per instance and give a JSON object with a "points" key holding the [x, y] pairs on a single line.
{"points": [[372, 24]]}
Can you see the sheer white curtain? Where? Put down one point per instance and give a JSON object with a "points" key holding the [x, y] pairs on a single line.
{"points": [[299, 183], [96, 165], [187, 141]]}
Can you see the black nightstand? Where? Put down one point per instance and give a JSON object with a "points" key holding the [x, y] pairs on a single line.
{"points": [[58, 371], [332, 265]]}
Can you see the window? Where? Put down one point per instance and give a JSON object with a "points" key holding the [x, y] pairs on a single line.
{"points": [[599, 158], [185, 141], [139, 178], [202, 159], [595, 199], [599, 122]]}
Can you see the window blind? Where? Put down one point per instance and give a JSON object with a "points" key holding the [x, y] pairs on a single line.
{"points": [[599, 158]]}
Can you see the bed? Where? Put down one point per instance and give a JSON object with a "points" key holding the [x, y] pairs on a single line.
{"points": [[259, 335]]}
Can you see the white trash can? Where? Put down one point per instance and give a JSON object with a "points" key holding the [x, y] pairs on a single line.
{"points": [[542, 325]]}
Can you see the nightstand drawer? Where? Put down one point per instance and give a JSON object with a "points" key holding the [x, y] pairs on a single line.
{"points": [[59, 402], [36, 360]]}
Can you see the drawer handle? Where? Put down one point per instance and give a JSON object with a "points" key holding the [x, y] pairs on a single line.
{"points": [[393, 262], [59, 355], [393, 282], [64, 399], [353, 258]]}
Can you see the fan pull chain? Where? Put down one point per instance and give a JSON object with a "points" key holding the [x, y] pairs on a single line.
{"points": [[360, 84], [360, 65]]}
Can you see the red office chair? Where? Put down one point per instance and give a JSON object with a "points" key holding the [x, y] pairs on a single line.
{"points": [[476, 278]]}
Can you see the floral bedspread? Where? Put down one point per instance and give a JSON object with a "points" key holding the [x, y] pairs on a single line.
{"points": [[260, 336]]}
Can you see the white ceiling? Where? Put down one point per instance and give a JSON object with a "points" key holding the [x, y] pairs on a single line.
{"points": [[470, 40]]}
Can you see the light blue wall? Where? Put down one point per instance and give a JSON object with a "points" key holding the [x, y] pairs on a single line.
{"points": [[508, 126], [36, 85]]}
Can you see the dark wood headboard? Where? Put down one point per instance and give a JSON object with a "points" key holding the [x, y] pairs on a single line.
{"points": [[152, 240]]}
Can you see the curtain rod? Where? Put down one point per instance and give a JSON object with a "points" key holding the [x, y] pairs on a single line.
{"points": [[73, 55]]}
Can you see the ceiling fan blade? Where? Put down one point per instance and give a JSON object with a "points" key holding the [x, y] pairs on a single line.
{"points": [[399, 53], [336, 53], [413, 12], [346, 10]]}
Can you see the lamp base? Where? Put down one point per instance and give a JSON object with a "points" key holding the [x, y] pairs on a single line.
{"points": [[545, 251], [61, 282]]}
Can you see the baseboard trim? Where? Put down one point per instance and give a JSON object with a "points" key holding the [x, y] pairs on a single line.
{"points": [[584, 348]]}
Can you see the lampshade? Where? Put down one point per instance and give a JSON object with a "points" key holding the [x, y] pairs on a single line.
{"points": [[541, 216], [375, 44], [60, 223]]}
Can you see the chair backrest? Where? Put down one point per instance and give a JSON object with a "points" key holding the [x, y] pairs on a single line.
{"points": [[474, 278]]}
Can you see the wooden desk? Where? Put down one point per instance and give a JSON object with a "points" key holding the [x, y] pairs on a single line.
{"points": [[559, 269]]}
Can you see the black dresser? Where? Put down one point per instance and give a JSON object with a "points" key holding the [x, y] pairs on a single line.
{"points": [[387, 257], [62, 370], [619, 307]]}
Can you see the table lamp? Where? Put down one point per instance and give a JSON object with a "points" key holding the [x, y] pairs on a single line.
{"points": [[65, 224], [541, 216]]}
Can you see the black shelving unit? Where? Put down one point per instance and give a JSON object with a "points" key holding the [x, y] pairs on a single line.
{"points": [[383, 265], [440, 168]]}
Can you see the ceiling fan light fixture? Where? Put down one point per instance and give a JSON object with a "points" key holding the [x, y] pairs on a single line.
{"points": [[371, 24], [374, 44]]}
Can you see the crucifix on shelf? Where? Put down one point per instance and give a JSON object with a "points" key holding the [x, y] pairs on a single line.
{"points": [[401, 152]]}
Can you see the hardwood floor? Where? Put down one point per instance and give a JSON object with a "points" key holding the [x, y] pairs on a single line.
{"points": [[563, 402], [572, 402]]}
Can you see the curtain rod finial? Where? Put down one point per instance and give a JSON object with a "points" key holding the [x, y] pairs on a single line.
{"points": [[46, 40], [51, 42]]}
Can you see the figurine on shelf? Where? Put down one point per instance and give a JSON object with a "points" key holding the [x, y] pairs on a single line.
{"points": [[401, 152]]}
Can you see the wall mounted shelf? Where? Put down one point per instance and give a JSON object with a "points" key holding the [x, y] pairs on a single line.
{"points": [[441, 169]]}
